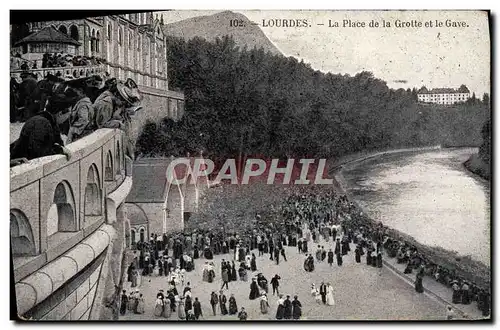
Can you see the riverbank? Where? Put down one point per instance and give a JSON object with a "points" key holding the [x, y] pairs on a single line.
{"points": [[475, 165], [464, 267]]}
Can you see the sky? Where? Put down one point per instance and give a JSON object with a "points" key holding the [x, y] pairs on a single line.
{"points": [[405, 57]]}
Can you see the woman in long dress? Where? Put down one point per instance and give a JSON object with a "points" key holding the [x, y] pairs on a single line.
{"points": [[181, 311], [264, 304], [233, 307], [140, 305], [281, 308], [158, 307], [418, 283], [253, 263], [167, 309], [329, 295], [297, 308]]}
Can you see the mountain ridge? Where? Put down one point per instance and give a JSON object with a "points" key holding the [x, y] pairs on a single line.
{"points": [[214, 26]]}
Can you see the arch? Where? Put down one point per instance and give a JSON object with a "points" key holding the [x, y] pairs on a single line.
{"points": [[120, 36], [61, 215], [63, 29], [142, 234], [133, 235], [118, 159], [92, 41], [98, 42], [110, 32], [73, 31], [108, 170], [21, 235], [93, 192]]}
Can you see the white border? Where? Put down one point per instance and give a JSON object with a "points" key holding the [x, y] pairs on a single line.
{"points": [[200, 4]]}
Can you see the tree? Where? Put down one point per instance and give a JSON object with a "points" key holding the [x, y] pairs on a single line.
{"points": [[486, 99]]}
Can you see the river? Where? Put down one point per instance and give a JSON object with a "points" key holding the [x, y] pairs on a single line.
{"points": [[428, 195]]}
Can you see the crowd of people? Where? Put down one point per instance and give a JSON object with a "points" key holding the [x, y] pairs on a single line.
{"points": [[60, 60], [53, 108], [305, 217]]}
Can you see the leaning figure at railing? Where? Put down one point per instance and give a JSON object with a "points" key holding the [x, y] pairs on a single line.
{"points": [[68, 110]]}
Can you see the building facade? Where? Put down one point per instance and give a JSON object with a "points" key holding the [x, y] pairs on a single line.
{"points": [[445, 96], [131, 45]]}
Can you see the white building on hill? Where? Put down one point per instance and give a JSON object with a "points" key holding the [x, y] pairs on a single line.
{"points": [[444, 95]]}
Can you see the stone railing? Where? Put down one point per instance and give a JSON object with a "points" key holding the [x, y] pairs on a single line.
{"points": [[73, 71], [60, 217]]}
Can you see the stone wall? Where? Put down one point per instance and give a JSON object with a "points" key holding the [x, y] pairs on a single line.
{"points": [[157, 104], [64, 217]]}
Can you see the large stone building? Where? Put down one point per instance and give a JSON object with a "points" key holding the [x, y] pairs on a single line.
{"points": [[444, 95], [132, 45]]}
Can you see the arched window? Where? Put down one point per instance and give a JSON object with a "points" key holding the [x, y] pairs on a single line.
{"points": [[108, 170], [132, 236], [63, 29], [93, 205], [61, 215], [92, 41], [21, 235], [118, 159], [74, 32], [110, 32], [120, 36], [142, 234], [98, 42]]}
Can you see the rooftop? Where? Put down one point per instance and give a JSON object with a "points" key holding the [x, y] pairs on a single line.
{"points": [[48, 35]]}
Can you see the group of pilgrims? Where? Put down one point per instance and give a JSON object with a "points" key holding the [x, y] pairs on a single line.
{"points": [[306, 216]]}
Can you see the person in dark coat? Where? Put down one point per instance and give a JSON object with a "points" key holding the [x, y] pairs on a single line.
{"points": [[214, 300], [254, 290], [299, 245], [196, 252], [322, 292], [287, 314], [456, 298], [357, 253], [337, 246], [197, 308], [39, 137], [330, 257], [233, 307], [253, 263], [225, 278], [124, 302], [222, 303], [379, 259], [297, 308], [242, 315], [339, 259], [277, 255], [275, 284], [304, 246], [418, 282], [466, 299], [208, 254], [233, 272], [188, 304]]}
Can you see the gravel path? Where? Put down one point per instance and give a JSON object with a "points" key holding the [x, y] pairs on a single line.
{"points": [[361, 292]]}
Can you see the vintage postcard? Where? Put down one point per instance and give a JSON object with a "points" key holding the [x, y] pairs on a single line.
{"points": [[247, 165]]}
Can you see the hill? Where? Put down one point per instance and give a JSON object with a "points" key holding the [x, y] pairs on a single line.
{"points": [[217, 25]]}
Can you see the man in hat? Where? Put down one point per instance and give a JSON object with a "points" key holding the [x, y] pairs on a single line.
{"points": [[82, 114], [29, 95], [115, 106]]}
